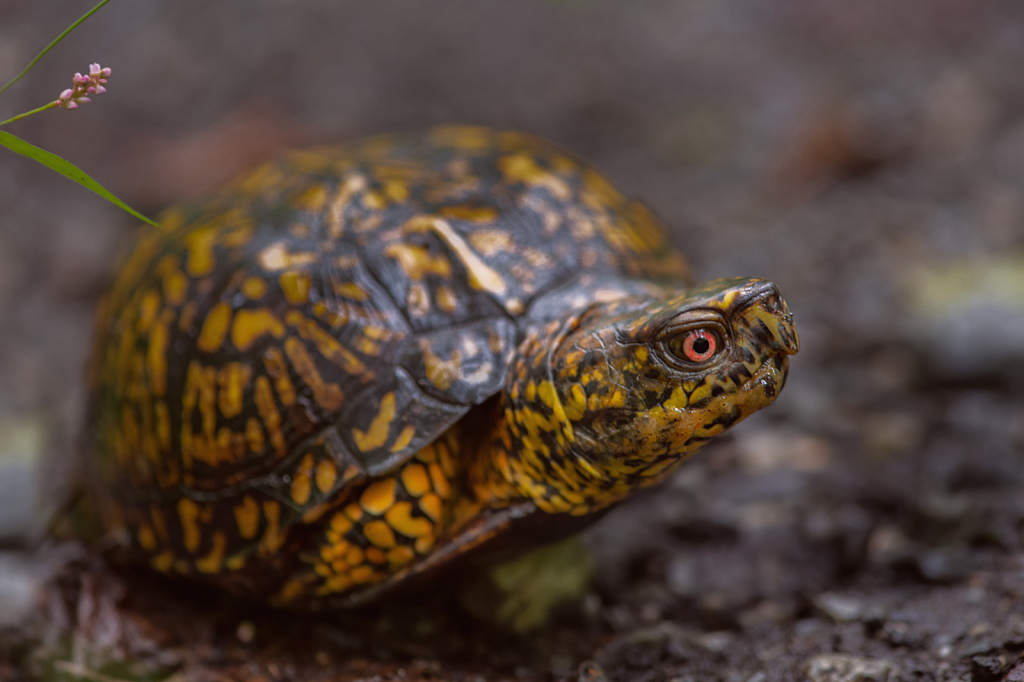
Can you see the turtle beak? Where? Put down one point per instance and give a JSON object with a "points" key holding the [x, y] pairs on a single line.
{"points": [[765, 313]]}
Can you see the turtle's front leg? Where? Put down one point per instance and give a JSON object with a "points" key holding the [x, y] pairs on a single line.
{"points": [[378, 532]]}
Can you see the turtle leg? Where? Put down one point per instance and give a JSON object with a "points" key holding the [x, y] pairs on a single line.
{"points": [[382, 532], [485, 525]]}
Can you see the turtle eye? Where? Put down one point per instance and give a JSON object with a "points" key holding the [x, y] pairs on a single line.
{"points": [[695, 346]]}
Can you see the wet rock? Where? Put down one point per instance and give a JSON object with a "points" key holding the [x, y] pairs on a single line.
{"points": [[891, 433], [840, 608], [20, 581], [968, 316], [763, 451], [900, 633], [888, 545], [21, 445], [767, 614], [716, 642], [681, 575], [591, 671], [944, 564], [987, 668], [1017, 674], [847, 668]]}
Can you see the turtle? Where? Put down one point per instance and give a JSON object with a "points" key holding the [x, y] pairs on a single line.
{"points": [[355, 364]]}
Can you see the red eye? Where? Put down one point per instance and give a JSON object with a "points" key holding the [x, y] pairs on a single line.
{"points": [[699, 345]]}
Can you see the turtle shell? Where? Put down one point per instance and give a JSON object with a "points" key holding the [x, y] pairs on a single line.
{"points": [[327, 316]]}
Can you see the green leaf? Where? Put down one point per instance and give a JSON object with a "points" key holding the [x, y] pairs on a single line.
{"points": [[67, 169]]}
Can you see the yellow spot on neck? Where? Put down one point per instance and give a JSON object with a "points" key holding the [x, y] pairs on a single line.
{"points": [[678, 399]]}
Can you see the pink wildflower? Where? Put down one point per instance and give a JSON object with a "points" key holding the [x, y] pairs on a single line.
{"points": [[84, 86]]}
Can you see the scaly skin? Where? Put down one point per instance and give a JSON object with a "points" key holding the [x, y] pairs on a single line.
{"points": [[595, 407], [355, 364]]}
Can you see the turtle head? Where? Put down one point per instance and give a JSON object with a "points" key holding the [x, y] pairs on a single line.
{"points": [[612, 399]]}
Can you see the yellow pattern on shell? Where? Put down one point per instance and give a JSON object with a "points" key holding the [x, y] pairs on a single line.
{"points": [[377, 434], [273, 312], [250, 325], [215, 328]]}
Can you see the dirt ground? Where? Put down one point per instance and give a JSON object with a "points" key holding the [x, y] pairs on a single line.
{"points": [[866, 156]]}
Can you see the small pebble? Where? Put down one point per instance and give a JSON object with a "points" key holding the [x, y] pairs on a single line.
{"points": [[591, 671], [246, 632], [847, 668], [888, 545], [715, 642], [1016, 675], [19, 585], [838, 607], [987, 668], [943, 564]]}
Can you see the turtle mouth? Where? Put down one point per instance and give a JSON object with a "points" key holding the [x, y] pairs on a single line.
{"points": [[765, 385]]}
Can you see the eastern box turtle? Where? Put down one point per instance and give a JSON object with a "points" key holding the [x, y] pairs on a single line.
{"points": [[357, 363]]}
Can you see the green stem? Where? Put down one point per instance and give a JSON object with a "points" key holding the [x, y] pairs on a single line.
{"points": [[49, 47], [12, 119]]}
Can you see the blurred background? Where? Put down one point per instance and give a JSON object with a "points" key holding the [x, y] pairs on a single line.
{"points": [[866, 156]]}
